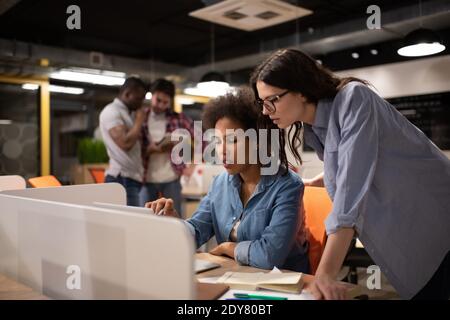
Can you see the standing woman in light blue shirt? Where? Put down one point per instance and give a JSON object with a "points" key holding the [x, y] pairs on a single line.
{"points": [[389, 183], [254, 216]]}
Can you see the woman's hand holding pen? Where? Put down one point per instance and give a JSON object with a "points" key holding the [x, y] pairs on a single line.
{"points": [[163, 207]]}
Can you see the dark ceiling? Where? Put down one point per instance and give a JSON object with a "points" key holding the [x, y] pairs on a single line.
{"points": [[161, 30]]}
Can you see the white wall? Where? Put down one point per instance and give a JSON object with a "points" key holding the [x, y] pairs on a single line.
{"points": [[410, 78]]}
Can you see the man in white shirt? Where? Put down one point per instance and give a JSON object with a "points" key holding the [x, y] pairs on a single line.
{"points": [[120, 125], [162, 175]]}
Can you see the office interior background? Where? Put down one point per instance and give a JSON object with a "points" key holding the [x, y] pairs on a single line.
{"points": [[61, 62], [40, 131]]}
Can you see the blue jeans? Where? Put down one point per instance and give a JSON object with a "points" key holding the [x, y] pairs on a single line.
{"points": [[152, 191], [132, 187]]}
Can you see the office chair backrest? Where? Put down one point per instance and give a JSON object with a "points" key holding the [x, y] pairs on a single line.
{"points": [[44, 181], [98, 174], [317, 205], [12, 182], [80, 194]]}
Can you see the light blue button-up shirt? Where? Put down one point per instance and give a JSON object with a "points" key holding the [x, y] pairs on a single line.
{"points": [[388, 181], [268, 232]]}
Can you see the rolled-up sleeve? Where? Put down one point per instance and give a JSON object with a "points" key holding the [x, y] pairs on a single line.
{"points": [[241, 252], [357, 159], [278, 237]]}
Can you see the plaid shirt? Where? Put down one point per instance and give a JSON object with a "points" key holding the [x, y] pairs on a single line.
{"points": [[174, 121]]}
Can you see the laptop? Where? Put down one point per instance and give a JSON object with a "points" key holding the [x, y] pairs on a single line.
{"points": [[199, 265], [122, 207], [109, 253]]}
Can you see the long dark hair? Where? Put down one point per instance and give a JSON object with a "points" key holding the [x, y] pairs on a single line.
{"points": [[296, 71]]}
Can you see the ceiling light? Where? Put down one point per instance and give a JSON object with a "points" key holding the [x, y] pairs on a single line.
{"points": [[148, 96], [421, 42], [107, 78], [5, 121], [53, 88], [213, 83], [68, 90], [30, 86], [374, 52], [210, 89], [355, 55], [184, 101]]}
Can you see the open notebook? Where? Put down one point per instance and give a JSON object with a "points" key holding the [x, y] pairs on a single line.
{"points": [[283, 282]]}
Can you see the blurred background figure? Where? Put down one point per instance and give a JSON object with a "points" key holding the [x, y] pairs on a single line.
{"points": [[120, 125], [162, 176]]}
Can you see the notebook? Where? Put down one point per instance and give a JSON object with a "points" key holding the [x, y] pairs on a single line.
{"points": [[283, 282]]}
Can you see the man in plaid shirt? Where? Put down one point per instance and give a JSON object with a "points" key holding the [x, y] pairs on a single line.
{"points": [[161, 175]]}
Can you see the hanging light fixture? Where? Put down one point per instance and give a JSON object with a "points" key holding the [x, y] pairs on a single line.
{"points": [[212, 84], [421, 42]]}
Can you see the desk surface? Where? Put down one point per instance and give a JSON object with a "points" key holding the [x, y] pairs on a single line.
{"points": [[231, 265], [12, 290]]}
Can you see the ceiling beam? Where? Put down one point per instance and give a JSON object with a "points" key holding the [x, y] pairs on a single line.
{"points": [[25, 58]]}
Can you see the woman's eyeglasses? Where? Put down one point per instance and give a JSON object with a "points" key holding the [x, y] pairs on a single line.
{"points": [[269, 104]]}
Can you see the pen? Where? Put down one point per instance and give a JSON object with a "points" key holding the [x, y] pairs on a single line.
{"points": [[256, 296]]}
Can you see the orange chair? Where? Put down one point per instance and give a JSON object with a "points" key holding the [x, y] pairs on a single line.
{"points": [[44, 181], [98, 174], [316, 207]]}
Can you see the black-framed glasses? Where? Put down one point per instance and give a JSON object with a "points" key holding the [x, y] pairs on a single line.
{"points": [[269, 104]]}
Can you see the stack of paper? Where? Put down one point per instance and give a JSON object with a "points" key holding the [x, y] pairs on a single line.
{"points": [[283, 282]]}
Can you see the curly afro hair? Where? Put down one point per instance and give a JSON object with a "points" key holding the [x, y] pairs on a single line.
{"points": [[239, 106]]}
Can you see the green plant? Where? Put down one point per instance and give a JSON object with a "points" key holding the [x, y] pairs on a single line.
{"points": [[91, 151]]}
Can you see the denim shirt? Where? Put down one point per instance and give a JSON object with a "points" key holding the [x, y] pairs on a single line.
{"points": [[388, 181], [267, 233]]}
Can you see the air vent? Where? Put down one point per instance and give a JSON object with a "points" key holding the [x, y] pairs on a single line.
{"points": [[250, 15], [267, 15], [234, 15]]}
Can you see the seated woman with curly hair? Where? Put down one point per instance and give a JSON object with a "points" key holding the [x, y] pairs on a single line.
{"points": [[254, 216]]}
